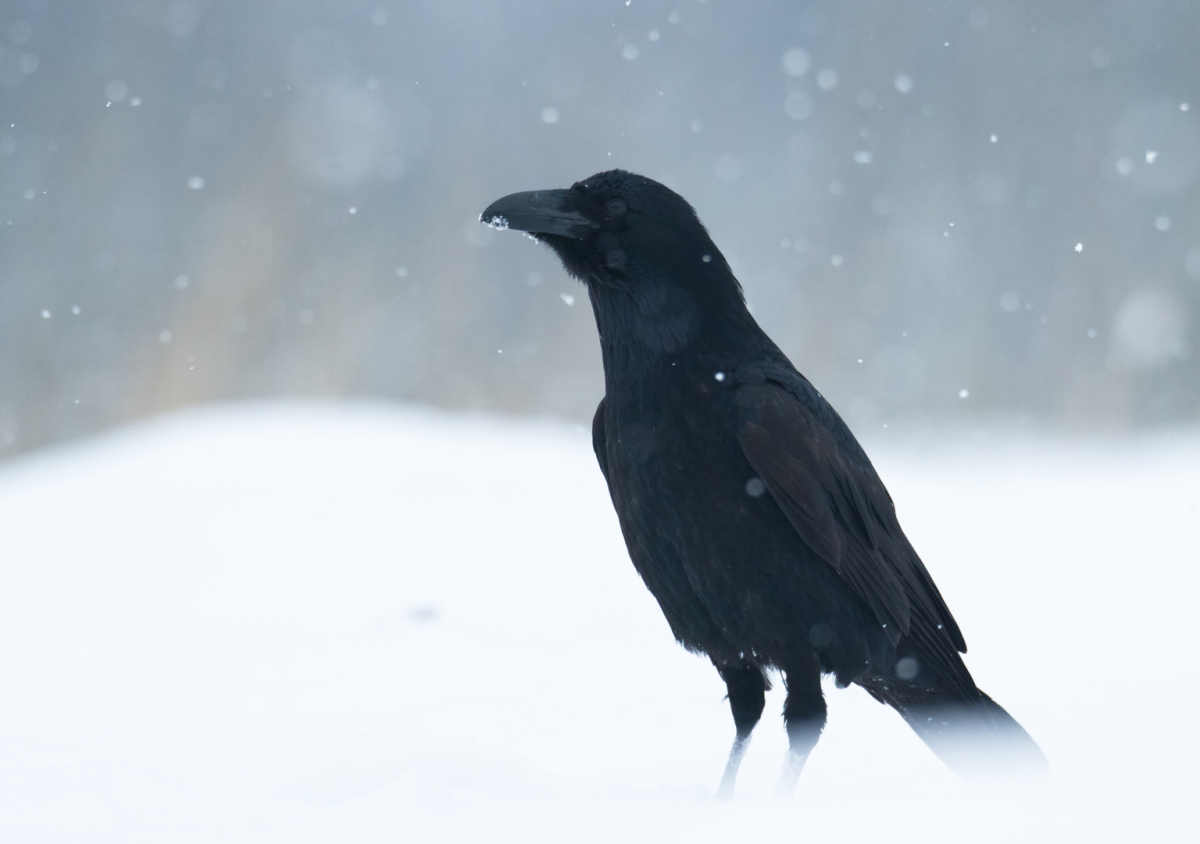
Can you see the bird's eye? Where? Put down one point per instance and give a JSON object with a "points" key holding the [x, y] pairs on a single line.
{"points": [[615, 207]]}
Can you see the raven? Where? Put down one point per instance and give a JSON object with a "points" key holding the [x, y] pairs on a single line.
{"points": [[749, 509]]}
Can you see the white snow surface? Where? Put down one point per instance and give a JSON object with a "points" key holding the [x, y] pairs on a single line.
{"points": [[306, 622]]}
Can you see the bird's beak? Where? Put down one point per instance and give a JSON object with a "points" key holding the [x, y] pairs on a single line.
{"points": [[537, 212]]}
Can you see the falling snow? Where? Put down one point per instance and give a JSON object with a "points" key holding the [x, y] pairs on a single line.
{"points": [[796, 62]]}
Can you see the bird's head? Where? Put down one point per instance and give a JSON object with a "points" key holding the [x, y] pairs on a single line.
{"points": [[619, 231]]}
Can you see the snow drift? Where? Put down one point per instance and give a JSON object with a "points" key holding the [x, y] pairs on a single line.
{"points": [[323, 623]]}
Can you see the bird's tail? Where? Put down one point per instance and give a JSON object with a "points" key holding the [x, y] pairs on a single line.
{"points": [[976, 737]]}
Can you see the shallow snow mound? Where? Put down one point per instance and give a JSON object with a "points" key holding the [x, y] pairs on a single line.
{"points": [[323, 622]]}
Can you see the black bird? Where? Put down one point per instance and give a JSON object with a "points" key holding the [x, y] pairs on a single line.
{"points": [[749, 509]]}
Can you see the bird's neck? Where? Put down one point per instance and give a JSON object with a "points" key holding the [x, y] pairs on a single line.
{"points": [[655, 331]]}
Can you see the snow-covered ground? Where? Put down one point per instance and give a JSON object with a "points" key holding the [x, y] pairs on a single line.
{"points": [[331, 623]]}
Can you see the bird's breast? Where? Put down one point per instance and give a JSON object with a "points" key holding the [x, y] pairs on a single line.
{"points": [[676, 468]]}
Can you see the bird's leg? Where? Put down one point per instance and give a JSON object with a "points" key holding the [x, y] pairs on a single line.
{"points": [[725, 789], [804, 716], [747, 696]]}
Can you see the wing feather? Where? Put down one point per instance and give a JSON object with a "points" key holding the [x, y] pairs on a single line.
{"points": [[827, 488]]}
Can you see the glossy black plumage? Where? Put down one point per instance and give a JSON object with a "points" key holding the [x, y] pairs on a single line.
{"points": [[749, 509]]}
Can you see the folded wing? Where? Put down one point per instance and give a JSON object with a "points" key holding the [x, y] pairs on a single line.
{"points": [[822, 480]]}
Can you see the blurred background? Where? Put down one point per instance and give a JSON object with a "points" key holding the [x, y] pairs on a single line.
{"points": [[966, 214]]}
